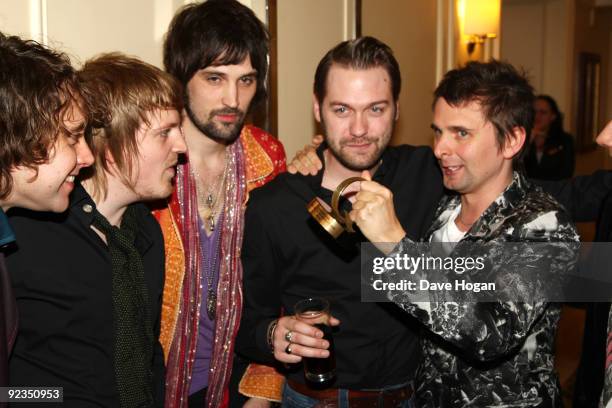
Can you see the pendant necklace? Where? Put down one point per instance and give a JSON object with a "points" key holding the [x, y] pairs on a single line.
{"points": [[210, 200], [210, 262], [210, 203]]}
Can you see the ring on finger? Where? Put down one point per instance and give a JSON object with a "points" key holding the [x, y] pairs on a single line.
{"points": [[289, 336], [288, 348]]}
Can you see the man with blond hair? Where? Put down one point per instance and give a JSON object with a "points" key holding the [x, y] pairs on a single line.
{"points": [[88, 283]]}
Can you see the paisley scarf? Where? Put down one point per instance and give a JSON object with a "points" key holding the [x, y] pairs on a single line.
{"points": [[229, 290]]}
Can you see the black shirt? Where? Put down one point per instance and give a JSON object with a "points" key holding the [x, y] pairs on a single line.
{"points": [[557, 161], [288, 257], [62, 278]]}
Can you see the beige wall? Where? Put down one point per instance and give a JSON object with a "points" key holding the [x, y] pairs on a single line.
{"points": [[592, 34], [15, 18], [84, 28], [536, 35], [409, 28], [306, 30]]}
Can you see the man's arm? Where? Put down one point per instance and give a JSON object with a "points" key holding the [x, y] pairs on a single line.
{"points": [[487, 326], [262, 335], [582, 196], [261, 288], [461, 317]]}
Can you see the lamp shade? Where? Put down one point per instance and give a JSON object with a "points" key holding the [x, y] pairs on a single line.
{"points": [[482, 17]]}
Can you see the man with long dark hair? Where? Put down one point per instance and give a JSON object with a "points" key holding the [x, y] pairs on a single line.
{"points": [[218, 50]]}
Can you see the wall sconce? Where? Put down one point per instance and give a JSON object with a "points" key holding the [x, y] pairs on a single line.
{"points": [[481, 21]]}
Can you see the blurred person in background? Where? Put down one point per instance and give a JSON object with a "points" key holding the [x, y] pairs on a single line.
{"points": [[550, 155]]}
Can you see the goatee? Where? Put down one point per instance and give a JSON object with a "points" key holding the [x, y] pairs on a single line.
{"points": [[225, 133]]}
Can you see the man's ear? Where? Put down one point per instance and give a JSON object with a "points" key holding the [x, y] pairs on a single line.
{"points": [[108, 156], [514, 141], [316, 108], [397, 110]]}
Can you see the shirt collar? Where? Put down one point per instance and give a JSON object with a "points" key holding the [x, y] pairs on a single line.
{"points": [[83, 206], [6, 232]]}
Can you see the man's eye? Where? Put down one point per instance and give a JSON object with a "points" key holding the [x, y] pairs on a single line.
{"points": [[248, 80], [463, 133], [340, 110], [165, 132], [73, 140], [213, 79], [378, 109]]}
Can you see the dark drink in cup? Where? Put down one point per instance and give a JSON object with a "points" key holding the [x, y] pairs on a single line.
{"points": [[320, 370], [315, 311]]}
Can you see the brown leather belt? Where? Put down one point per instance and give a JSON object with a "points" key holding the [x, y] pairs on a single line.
{"points": [[357, 398]]}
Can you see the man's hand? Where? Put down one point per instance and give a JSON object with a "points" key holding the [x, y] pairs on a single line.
{"points": [[257, 403], [374, 213], [605, 137], [306, 161], [306, 340]]}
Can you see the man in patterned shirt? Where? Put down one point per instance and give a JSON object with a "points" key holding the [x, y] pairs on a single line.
{"points": [[500, 352]]}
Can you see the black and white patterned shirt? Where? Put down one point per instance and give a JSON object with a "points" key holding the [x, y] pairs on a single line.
{"points": [[498, 353]]}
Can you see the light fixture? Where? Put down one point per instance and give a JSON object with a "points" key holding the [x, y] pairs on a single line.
{"points": [[481, 21]]}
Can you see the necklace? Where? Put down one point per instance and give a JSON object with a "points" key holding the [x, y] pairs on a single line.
{"points": [[209, 248], [209, 201]]}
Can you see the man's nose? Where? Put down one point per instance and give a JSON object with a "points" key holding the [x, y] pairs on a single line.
{"points": [[85, 157], [230, 95], [442, 146], [359, 125]]}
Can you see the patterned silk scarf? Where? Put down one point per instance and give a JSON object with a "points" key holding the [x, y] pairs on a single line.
{"points": [[229, 289], [133, 329]]}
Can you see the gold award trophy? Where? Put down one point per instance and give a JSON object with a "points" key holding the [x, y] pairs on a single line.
{"points": [[334, 222]]}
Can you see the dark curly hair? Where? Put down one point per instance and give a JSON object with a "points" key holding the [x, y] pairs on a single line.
{"points": [[37, 85]]}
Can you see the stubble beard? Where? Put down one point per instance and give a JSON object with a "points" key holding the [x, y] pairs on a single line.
{"points": [[350, 163]]}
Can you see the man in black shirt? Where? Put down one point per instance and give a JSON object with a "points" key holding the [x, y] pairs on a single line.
{"points": [[288, 257], [88, 282], [41, 149]]}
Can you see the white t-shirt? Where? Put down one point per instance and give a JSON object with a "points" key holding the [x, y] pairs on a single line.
{"points": [[449, 231]]}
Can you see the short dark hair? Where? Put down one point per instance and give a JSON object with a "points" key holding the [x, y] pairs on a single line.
{"points": [[216, 32], [361, 53], [120, 92], [37, 86], [503, 92]]}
